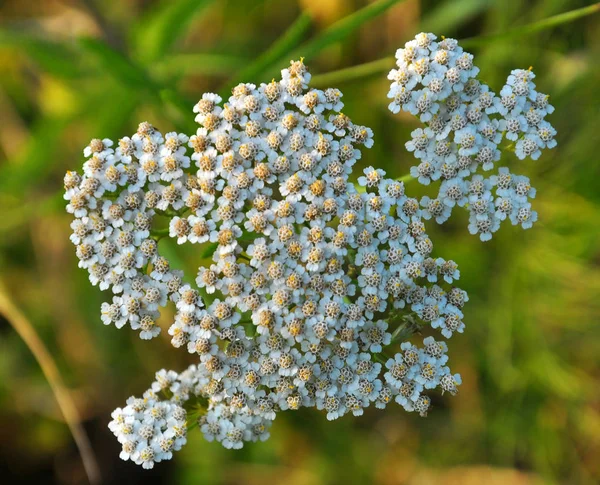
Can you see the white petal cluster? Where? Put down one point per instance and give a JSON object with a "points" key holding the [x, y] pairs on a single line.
{"points": [[114, 204], [465, 122], [149, 430], [311, 277]]}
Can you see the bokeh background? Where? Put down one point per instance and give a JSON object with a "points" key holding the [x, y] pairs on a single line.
{"points": [[529, 409]]}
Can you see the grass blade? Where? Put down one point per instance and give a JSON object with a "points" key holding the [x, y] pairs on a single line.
{"points": [[278, 49], [157, 34], [533, 27], [115, 64], [26, 331], [131, 76], [452, 14], [28, 166], [54, 58], [334, 33], [198, 63], [342, 28], [360, 71]]}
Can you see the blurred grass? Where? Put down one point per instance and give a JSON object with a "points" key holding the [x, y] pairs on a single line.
{"points": [[529, 409]]}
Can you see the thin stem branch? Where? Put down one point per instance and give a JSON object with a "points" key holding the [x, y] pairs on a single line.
{"points": [[160, 232], [405, 178], [26, 331], [355, 72], [533, 27], [378, 66]]}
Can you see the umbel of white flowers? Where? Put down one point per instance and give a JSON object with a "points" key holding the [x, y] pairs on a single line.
{"points": [[313, 282], [465, 123]]}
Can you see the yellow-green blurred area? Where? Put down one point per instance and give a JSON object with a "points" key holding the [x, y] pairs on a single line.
{"points": [[528, 411]]}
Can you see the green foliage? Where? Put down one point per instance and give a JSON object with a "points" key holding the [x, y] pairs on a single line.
{"points": [[115, 64], [159, 31], [53, 57], [291, 37], [342, 28]]}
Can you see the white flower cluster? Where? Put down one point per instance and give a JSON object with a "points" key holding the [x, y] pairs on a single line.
{"points": [[465, 122], [114, 204], [311, 277], [149, 430]]}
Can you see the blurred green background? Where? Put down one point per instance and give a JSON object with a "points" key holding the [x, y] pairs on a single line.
{"points": [[529, 409]]}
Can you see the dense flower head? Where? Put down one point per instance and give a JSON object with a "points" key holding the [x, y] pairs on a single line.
{"points": [[148, 429], [311, 279], [465, 124]]}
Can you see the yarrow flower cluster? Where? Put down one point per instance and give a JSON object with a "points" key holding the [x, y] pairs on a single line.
{"points": [[313, 280], [149, 429], [465, 123]]}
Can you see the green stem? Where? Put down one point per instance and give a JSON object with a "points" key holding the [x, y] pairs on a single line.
{"points": [[192, 421], [405, 178], [160, 232], [510, 147], [379, 358], [533, 27], [171, 212], [198, 63], [355, 72], [396, 332], [385, 64]]}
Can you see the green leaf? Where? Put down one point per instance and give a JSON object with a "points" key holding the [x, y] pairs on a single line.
{"points": [[185, 122], [158, 32], [33, 163], [110, 118], [19, 211]]}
